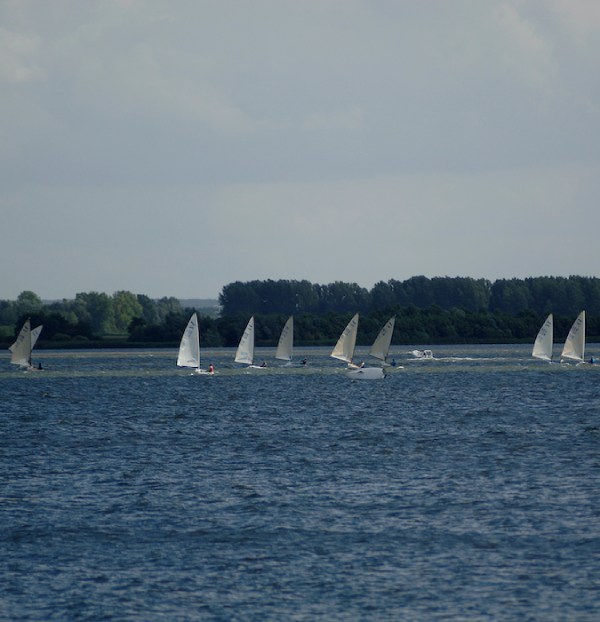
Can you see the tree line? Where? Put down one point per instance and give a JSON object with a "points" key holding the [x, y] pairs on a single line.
{"points": [[561, 295], [437, 310]]}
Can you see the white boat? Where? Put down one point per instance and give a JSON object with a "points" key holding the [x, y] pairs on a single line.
{"points": [[245, 350], [422, 354], [542, 348], [21, 349], [366, 373], [285, 346], [344, 351], [189, 347], [574, 348]]}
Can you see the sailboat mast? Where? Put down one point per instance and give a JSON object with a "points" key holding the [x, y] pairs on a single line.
{"points": [[198, 339], [30, 349]]}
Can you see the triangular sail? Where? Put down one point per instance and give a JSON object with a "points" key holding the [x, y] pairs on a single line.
{"points": [[35, 333], [20, 351], [344, 348], [189, 348], [381, 345], [286, 341], [542, 348], [574, 347], [245, 351]]}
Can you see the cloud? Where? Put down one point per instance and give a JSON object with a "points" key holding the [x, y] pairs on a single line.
{"points": [[527, 52], [582, 15], [350, 119], [256, 92], [18, 53], [340, 140]]}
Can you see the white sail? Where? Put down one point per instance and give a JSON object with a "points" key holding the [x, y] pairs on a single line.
{"points": [[574, 347], [542, 348], [189, 348], [245, 351], [20, 351], [35, 333], [344, 348], [286, 341], [381, 345]]}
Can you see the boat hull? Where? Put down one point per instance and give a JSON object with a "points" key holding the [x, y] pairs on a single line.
{"points": [[366, 373], [203, 372]]}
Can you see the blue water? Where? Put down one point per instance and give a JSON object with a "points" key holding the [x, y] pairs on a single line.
{"points": [[463, 488]]}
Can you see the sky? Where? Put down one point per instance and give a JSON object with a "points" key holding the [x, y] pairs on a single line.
{"points": [[170, 147]]}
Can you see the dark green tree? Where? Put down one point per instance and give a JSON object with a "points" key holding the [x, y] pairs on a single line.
{"points": [[126, 306], [28, 302]]}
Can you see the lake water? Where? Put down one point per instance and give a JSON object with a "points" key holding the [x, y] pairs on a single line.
{"points": [[461, 488]]}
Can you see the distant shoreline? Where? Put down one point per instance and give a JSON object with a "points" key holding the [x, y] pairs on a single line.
{"points": [[125, 345]]}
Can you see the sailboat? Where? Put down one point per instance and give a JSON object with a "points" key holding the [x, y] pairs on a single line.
{"points": [[189, 347], [245, 350], [344, 351], [574, 347], [379, 350], [286, 342], [21, 349], [381, 345], [542, 348], [344, 348]]}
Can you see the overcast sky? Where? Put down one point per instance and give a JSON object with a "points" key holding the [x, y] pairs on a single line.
{"points": [[169, 147]]}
